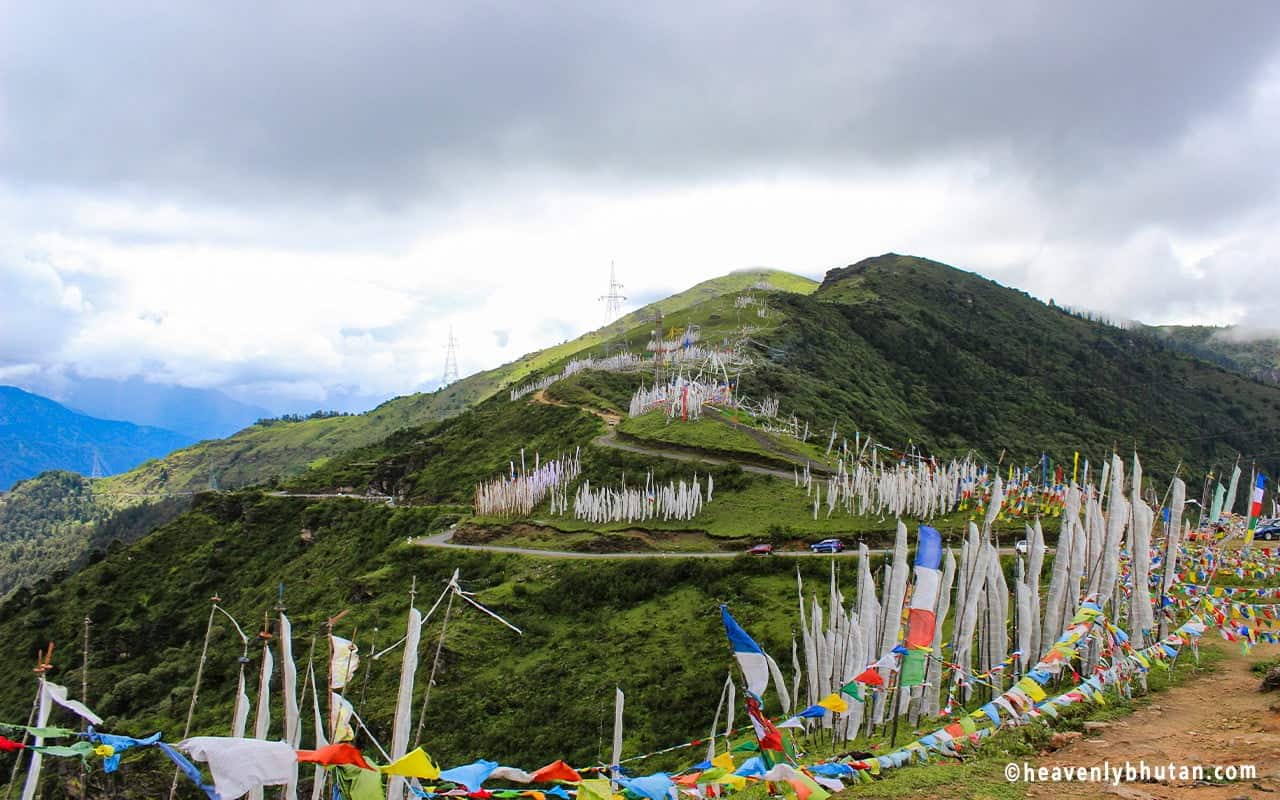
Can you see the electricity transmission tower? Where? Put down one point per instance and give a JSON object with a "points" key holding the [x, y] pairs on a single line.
{"points": [[99, 468], [450, 361], [612, 300]]}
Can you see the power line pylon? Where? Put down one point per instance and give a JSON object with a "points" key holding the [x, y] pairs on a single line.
{"points": [[450, 361], [612, 300]]}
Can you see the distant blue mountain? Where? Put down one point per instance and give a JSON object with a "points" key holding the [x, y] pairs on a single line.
{"points": [[37, 434], [199, 413]]}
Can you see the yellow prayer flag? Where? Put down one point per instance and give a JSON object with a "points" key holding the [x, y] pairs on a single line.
{"points": [[1032, 689], [416, 764], [595, 789], [833, 702], [723, 761]]}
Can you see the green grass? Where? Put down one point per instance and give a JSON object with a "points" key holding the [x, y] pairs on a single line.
{"points": [[718, 433], [705, 434], [283, 451], [762, 508], [951, 362], [1265, 666], [649, 626]]}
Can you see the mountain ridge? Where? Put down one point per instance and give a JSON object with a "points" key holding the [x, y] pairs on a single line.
{"points": [[38, 434], [280, 450]]}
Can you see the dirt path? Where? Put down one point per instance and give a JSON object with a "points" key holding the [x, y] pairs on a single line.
{"points": [[1218, 720], [442, 540], [541, 397], [769, 444], [673, 452]]}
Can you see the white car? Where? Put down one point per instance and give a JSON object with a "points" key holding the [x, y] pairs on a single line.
{"points": [[1020, 547]]}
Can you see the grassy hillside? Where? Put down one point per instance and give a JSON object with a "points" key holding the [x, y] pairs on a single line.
{"points": [[283, 449], [54, 538], [906, 349], [914, 350], [650, 627]]}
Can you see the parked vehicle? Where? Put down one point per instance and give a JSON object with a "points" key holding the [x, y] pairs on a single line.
{"points": [[827, 546], [1020, 547], [1267, 533], [761, 550]]}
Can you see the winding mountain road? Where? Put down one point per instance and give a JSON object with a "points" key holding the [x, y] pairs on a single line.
{"points": [[441, 540]]}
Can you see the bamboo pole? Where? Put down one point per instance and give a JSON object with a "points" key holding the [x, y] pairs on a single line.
{"points": [[195, 690], [44, 662], [17, 760], [431, 680], [84, 697]]}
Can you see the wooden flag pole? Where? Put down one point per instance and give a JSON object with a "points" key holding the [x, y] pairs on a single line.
{"points": [[195, 690]]}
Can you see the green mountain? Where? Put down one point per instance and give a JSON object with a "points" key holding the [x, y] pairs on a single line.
{"points": [[902, 348], [37, 541], [905, 349], [283, 449], [952, 361], [37, 435], [1254, 354]]}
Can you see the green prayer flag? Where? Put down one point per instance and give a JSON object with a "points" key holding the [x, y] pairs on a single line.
{"points": [[358, 784], [912, 673], [81, 750], [853, 690], [1215, 511], [46, 733]]}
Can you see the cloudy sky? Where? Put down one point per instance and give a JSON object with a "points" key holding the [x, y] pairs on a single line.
{"points": [[293, 202]]}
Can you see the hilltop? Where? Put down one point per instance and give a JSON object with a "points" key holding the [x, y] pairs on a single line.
{"points": [[283, 449], [901, 348], [951, 360]]}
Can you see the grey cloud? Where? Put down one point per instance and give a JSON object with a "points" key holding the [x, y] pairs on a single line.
{"points": [[333, 127], [309, 104]]}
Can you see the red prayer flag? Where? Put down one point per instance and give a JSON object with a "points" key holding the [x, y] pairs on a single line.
{"points": [[767, 734], [9, 745], [870, 677], [333, 755], [556, 771]]}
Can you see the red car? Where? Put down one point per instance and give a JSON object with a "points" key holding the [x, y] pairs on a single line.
{"points": [[761, 550]]}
